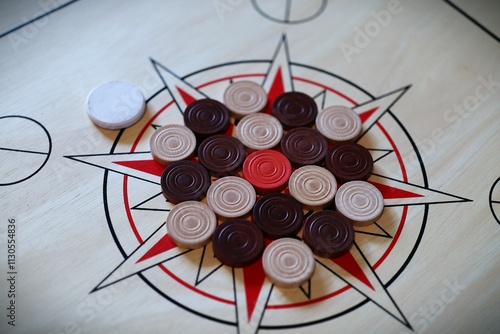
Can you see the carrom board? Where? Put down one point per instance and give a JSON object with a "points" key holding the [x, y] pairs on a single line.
{"points": [[84, 248]]}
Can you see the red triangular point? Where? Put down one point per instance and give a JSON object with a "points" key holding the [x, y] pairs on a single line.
{"points": [[230, 129], [366, 114], [253, 278], [349, 264], [161, 246], [146, 166], [185, 96], [277, 88], [390, 192]]}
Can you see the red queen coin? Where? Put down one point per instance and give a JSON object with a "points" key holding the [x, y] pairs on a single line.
{"points": [[268, 171]]}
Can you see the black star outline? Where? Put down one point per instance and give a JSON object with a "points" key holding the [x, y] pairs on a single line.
{"points": [[306, 290]]}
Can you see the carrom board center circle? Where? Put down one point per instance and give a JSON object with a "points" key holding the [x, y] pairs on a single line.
{"points": [[212, 81]]}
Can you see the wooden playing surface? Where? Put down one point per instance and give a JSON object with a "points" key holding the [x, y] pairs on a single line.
{"points": [[82, 204]]}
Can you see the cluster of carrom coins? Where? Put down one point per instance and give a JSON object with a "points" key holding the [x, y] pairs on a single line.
{"points": [[264, 182]]}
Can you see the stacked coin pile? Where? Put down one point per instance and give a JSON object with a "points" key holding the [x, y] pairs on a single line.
{"points": [[259, 183]]}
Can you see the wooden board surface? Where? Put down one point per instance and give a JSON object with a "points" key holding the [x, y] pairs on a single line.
{"points": [[81, 207]]}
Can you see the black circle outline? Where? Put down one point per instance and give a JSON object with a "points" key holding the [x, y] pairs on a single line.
{"points": [[48, 153], [386, 285], [490, 200], [285, 21]]}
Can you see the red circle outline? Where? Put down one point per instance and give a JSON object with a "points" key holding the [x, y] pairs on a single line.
{"points": [[226, 301]]}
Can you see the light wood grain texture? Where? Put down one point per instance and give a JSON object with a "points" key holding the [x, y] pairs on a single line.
{"points": [[83, 221]]}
